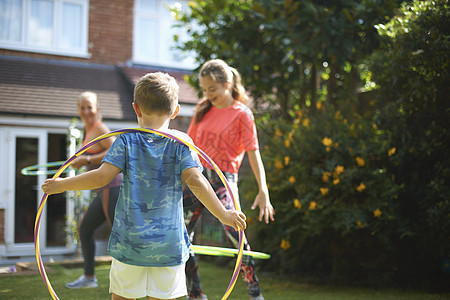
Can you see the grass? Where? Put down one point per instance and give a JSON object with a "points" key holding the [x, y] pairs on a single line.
{"points": [[215, 280]]}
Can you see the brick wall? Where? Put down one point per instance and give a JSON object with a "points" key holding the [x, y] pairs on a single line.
{"points": [[110, 30], [110, 34]]}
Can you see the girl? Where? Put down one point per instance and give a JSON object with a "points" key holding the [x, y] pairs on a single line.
{"points": [[224, 128]]}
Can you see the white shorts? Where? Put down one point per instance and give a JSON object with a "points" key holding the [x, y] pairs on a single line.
{"points": [[131, 281]]}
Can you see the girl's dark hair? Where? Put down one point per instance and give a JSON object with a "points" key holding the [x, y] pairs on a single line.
{"points": [[220, 72]]}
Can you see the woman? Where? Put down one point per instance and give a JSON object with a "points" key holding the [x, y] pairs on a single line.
{"points": [[224, 128], [102, 207]]}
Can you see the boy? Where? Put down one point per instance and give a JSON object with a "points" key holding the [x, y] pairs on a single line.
{"points": [[149, 243]]}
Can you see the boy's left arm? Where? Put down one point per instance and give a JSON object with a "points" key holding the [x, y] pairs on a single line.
{"points": [[87, 181], [202, 189]]}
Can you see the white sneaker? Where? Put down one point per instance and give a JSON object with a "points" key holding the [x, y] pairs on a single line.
{"points": [[83, 282]]}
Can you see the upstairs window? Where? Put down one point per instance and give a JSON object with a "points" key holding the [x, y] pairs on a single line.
{"points": [[153, 42], [57, 27]]}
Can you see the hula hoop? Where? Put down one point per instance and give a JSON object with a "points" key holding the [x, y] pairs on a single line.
{"points": [[35, 169], [229, 252], [118, 132]]}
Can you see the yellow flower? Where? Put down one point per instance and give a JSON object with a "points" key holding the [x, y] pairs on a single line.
{"points": [[286, 160], [327, 141], [312, 205], [324, 191], [292, 179], [287, 143], [305, 122], [328, 149], [319, 105], [361, 187], [285, 244], [297, 204], [278, 164], [391, 151], [360, 161], [278, 133], [360, 225], [336, 181], [291, 134], [338, 170], [325, 176], [377, 213]]}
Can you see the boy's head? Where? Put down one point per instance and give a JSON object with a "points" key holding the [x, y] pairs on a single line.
{"points": [[156, 93]]}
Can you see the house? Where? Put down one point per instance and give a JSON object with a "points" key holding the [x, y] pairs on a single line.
{"points": [[50, 52]]}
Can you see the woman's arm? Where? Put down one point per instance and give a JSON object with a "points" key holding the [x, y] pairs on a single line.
{"points": [[97, 158], [87, 181], [262, 198]]}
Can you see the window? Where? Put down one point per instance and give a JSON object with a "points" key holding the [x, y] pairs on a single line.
{"points": [[48, 26], [153, 34]]}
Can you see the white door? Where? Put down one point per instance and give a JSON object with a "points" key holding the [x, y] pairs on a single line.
{"points": [[23, 147]]}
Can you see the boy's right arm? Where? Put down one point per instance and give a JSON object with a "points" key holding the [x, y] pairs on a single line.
{"points": [[201, 188], [87, 181]]}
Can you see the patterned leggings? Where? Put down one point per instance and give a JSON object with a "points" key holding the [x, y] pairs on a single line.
{"points": [[192, 211]]}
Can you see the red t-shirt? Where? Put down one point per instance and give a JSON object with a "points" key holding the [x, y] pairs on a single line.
{"points": [[225, 135]]}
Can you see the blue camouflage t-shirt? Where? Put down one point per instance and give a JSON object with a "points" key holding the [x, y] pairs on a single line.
{"points": [[148, 227]]}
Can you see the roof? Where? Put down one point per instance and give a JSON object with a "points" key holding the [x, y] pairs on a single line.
{"points": [[187, 93], [50, 88]]}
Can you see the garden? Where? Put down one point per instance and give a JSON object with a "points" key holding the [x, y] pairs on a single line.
{"points": [[351, 100]]}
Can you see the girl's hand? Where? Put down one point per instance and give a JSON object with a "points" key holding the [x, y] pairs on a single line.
{"points": [[265, 207], [53, 186]]}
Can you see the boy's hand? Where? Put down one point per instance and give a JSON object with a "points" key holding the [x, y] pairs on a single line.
{"points": [[235, 219], [53, 186]]}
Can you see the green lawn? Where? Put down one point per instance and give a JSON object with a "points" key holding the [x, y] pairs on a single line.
{"points": [[215, 280]]}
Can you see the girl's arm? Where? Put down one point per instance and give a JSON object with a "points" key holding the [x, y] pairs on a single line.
{"points": [[262, 198], [201, 188], [87, 181]]}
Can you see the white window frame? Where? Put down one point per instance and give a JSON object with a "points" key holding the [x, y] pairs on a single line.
{"points": [[164, 31], [55, 48]]}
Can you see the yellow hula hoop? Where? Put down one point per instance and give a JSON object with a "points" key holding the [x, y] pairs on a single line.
{"points": [[230, 252], [118, 132]]}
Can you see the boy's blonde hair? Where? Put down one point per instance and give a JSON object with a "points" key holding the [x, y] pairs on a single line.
{"points": [[156, 93]]}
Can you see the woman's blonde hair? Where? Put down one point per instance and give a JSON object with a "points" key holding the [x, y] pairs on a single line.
{"points": [[93, 97], [220, 72]]}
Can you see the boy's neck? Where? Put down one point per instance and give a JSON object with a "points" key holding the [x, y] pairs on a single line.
{"points": [[154, 121]]}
